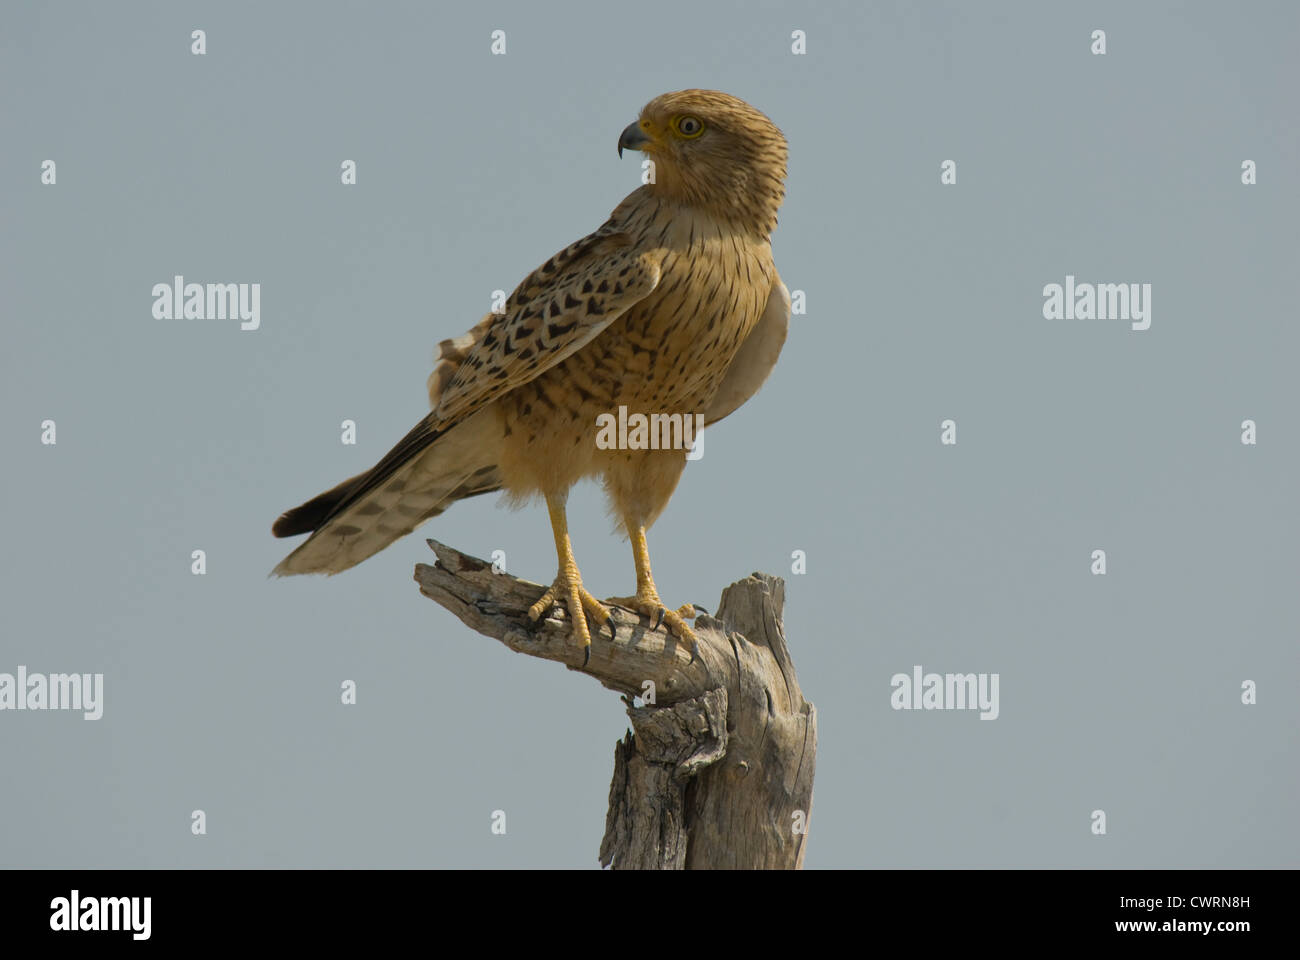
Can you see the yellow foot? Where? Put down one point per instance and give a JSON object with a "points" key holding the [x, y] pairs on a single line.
{"points": [[580, 605], [651, 606]]}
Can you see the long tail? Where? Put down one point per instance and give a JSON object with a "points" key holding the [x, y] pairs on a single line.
{"points": [[430, 469]]}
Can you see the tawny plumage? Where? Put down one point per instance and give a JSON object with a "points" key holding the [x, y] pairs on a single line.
{"points": [[672, 307]]}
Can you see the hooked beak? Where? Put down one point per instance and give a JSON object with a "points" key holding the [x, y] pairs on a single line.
{"points": [[632, 137]]}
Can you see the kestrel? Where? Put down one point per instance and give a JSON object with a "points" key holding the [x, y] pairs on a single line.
{"points": [[672, 307]]}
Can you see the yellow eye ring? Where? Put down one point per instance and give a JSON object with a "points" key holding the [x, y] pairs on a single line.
{"points": [[687, 127]]}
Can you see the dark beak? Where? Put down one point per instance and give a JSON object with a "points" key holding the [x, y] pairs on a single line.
{"points": [[632, 137]]}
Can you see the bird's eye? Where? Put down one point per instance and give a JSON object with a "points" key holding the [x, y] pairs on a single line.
{"points": [[688, 127]]}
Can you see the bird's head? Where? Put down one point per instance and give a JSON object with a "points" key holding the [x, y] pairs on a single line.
{"points": [[714, 152]]}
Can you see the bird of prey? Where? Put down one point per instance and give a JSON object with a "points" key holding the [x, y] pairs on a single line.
{"points": [[672, 307]]}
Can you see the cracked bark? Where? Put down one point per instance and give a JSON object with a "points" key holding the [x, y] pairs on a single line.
{"points": [[718, 771]]}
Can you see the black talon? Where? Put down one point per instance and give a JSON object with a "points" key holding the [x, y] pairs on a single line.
{"points": [[659, 617], [609, 622], [700, 609], [586, 656]]}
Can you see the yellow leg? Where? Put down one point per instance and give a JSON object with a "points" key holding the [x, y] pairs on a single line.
{"points": [[647, 600], [568, 585]]}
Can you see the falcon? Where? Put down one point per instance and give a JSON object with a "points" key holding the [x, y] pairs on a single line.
{"points": [[673, 307]]}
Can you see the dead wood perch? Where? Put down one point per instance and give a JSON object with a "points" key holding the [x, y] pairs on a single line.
{"points": [[719, 771]]}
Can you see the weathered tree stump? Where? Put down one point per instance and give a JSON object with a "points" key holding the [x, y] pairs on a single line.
{"points": [[718, 771]]}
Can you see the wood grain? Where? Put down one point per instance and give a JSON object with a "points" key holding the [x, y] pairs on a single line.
{"points": [[718, 771]]}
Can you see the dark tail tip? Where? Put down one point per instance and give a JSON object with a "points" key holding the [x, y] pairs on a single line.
{"points": [[312, 514], [293, 522]]}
